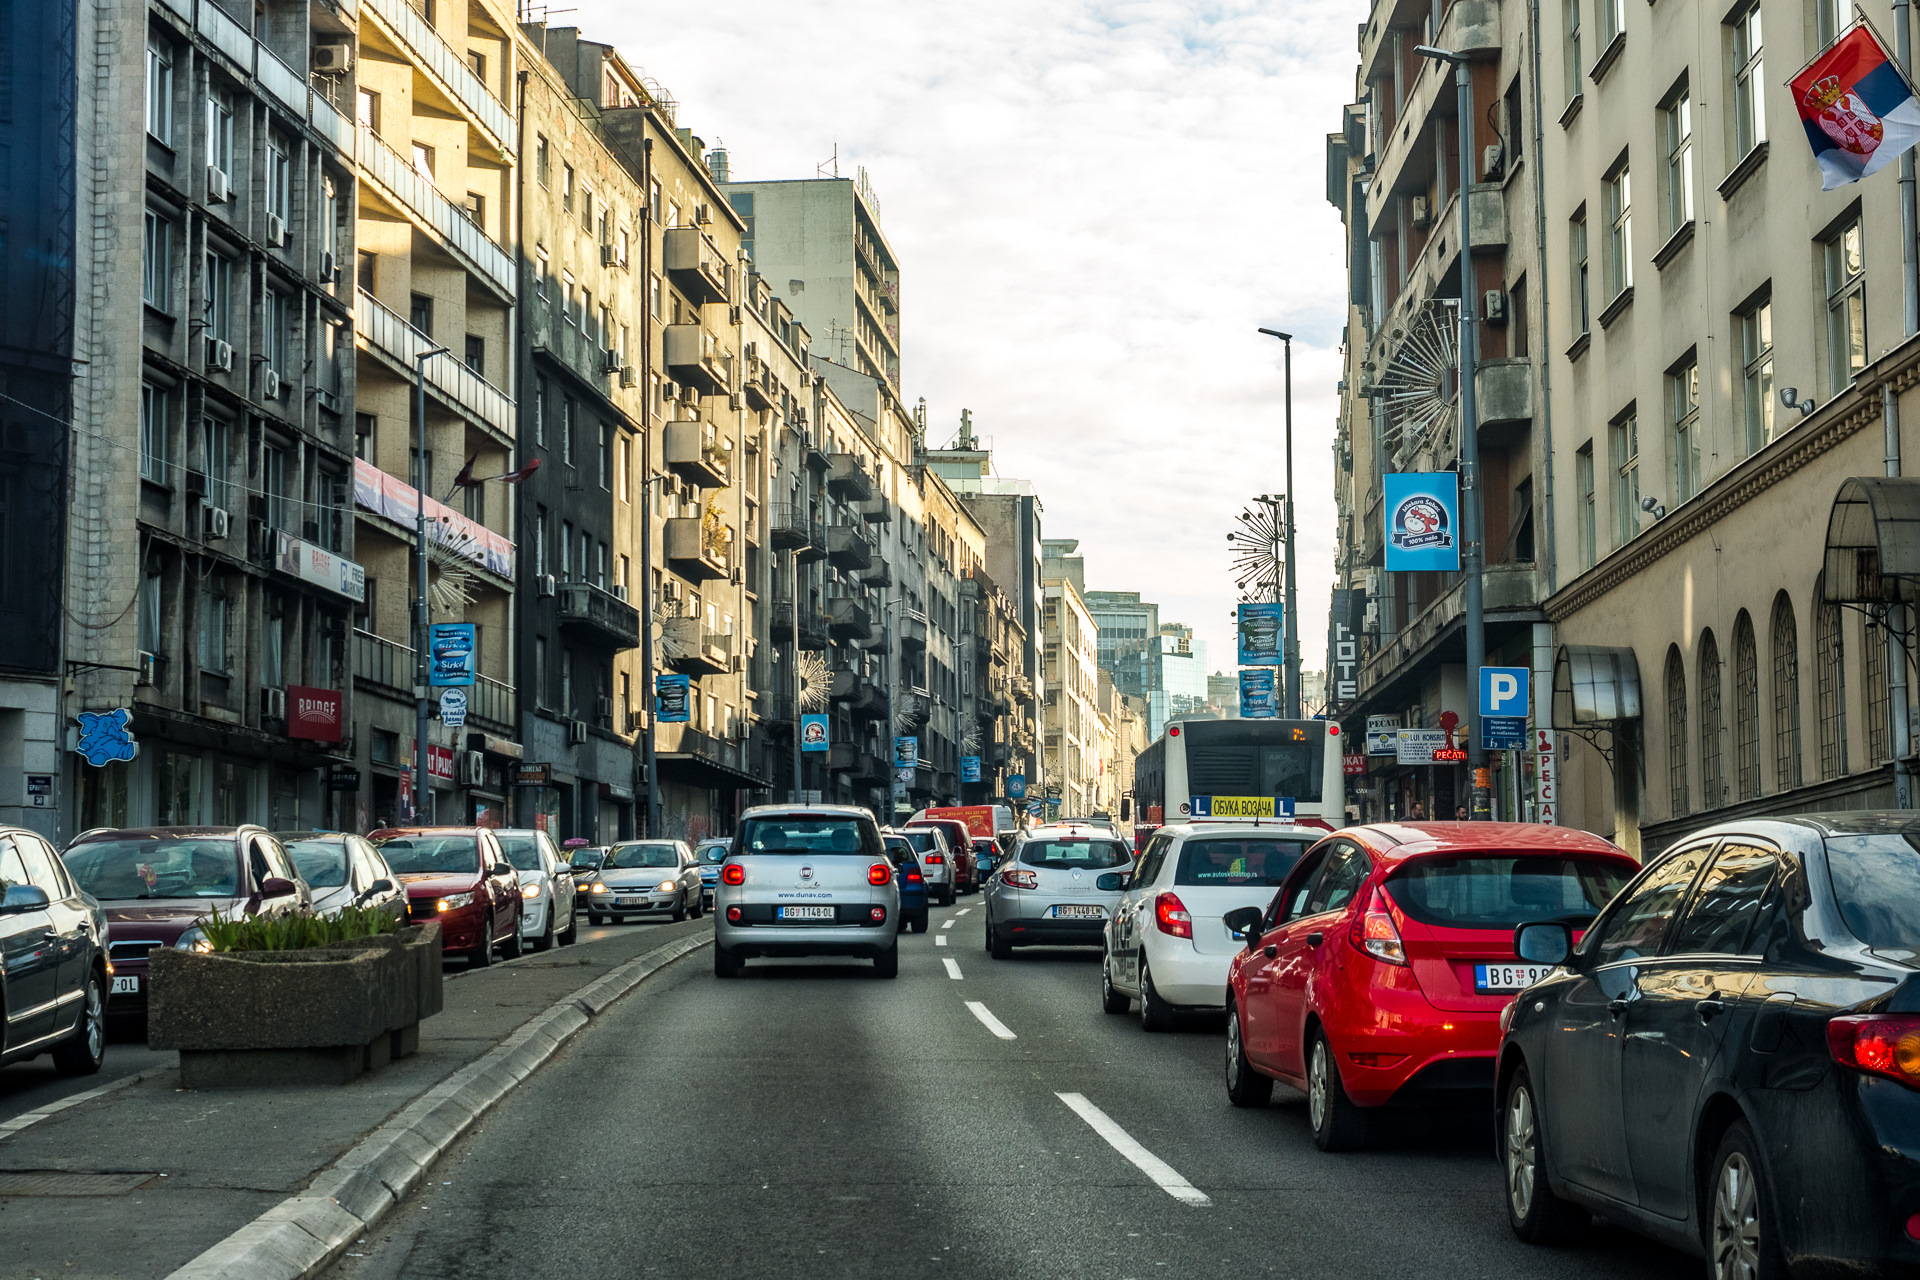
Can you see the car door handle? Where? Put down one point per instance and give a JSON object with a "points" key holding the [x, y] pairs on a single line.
{"points": [[1315, 939], [1710, 1009], [1270, 950], [1616, 1007]]}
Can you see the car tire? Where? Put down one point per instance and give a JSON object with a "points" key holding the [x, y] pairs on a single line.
{"points": [[1245, 1086], [81, 1053], [1338, 1125], [1111, 1001], [697, 908], [1741, 1236], [997, 945], [919, 923], [1535, 1213], [1155, 1014], [679, 909], [481, 956], [513, 948], [725, 963], [887, 963], [545, 941], [571, 934], [594, 920]]}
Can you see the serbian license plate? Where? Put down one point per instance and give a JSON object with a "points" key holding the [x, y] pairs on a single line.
{"points": [[126, 985], [629, 902], [806, 913], [1079, 913], [1508, 977]]}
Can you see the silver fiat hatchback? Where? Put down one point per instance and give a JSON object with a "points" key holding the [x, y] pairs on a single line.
{"points": [[1059, 889], [806, 880]]}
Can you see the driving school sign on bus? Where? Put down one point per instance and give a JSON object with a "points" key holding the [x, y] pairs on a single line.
{"points": [[1423, 521]]}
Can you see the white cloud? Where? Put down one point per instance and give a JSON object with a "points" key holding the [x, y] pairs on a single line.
{"points": [[1095, 205]]}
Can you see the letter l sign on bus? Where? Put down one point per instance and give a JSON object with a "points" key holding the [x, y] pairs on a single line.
{"points": [[1503, 691]]}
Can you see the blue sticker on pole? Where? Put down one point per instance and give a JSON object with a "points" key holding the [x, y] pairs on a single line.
{"points": [[1259, 694], [1016, 786], [1503, 691], [906, 752], [674, 695], [969, 768], [813, 733], [1422, 510], [453, 654], [1263, 629]]}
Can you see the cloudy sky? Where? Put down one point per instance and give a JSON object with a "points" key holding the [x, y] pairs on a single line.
{"points": [[1095, 203]]}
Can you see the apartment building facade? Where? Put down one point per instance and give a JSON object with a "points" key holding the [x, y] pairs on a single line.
{"points": [[1072, 717]]}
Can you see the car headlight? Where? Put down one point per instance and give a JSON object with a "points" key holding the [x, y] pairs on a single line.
{"points": [[530, 889], [194, 939], [597, 888], [453, 902], [668, 886]]}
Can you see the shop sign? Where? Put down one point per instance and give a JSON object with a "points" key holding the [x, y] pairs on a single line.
{"points": [[315, 714], [322, 568], [106, 736], [1422, 511], [1383, 735], [343, 780], [534, 775]]}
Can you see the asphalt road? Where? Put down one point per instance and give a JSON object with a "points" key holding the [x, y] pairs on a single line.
{"points": [[811, 1120]]}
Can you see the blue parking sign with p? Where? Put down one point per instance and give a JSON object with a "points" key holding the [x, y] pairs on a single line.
{"points": [[1503, 691]]}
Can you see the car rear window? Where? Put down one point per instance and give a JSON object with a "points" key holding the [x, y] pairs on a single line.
{"points": [[167, 867], [1500, 891], [625, 856], [523, 851], [1875, 882], [1229, 862], [807, 836], [1079, 852], [321, 863], [426, 854], [921, 841]]}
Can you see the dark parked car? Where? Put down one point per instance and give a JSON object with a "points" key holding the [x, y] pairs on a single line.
{"points": [[913, 884], [343, 871], [158, 884], [1729, 1059], [459, 876], [53, 960]]}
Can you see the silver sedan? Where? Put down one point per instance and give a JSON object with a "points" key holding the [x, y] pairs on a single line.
{"points": [[1059, 889], [644, 877]]}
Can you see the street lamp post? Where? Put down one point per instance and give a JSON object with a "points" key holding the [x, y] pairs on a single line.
{"points": [[651, 691], [423, 662], [1473, 551], [1291, 637]]}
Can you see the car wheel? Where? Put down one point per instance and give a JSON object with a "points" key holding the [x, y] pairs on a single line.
{"points": [[481, 956], [698, 907], [887, 963], [679, 908], [997, 945], [594, 920], [1155, 1014], [1742, 1242], [1111, 1001], [919, 923], [545, 941], [1338, 1125], [572, 932], [1245, 1086], [725, 963], [1535, 1213], [82, 1053]]}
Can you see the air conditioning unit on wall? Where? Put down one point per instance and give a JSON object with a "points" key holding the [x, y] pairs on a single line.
{"points": [[1421, 212], [471, 770], [273, 704]]}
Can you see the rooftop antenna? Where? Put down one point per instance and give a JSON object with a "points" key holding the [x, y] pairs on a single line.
{"points": [[966, 429], [833, 164], [717, 162]]}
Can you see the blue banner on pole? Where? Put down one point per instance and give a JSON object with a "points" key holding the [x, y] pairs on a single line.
{"points": [[813, 733], [1259, 694], [969, 768], [1016, 786], [1422, 511], [1263, 631], [453, 654], [674, 696], [906, 752]]}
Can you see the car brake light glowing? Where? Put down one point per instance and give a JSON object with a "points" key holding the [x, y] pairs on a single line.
{"points": [[879, 873], [733, 873], [1172, 916], [1375, 933], [1020, 879], [913, 877], [1878, 1045], [937, 860], [733, 915]]}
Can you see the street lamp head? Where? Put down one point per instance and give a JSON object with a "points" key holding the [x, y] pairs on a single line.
{"points": [[1438, 55], [1275, 333]]}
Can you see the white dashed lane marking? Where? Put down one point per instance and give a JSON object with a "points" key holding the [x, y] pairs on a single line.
{"points": [[939, 939], [953, 969], [987, 1020], [1163, 1174]]}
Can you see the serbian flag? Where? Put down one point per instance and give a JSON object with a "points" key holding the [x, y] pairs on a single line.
{"points": [[1860, 113]]}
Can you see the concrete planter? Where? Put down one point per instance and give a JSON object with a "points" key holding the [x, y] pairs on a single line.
{"points": [[294, 1017]]}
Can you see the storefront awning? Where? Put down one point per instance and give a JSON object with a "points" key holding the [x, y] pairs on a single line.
{"points": [[1594, 686], [1873, 542]]}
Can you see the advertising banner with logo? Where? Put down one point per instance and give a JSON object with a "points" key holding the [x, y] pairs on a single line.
{"points": [[814, 735], [1423, 521], [675, 696], [314, 714], [1383, 735], [453, 708], [1016, 786], [312, 563], [906, 752], [1344, 619], [1262, 633], [1259, 695], [969, 768], [1425, 746], [453, 653]]}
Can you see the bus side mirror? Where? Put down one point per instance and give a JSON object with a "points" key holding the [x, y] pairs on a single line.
{"points": [[1126, 809]]}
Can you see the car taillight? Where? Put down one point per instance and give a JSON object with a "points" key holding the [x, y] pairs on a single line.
{"points": [[733, 873], [879, 873], [1878, 1045], [1020, 879], [937, 860], [913, 877], [1375, 933], [1172, 916], [733, 915]]}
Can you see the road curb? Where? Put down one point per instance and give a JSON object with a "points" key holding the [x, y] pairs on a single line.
{"points": [[304, 1234]]}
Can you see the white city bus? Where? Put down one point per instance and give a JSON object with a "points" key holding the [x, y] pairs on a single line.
{"points": [[1234, 770]]}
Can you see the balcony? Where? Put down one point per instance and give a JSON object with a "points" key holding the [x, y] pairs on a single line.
{"points": [[762, 391], [813, 626], [848, 547], [840, 756], [598, 616], [487, 405], [1511, 594], [858, 693], [695, 265], [789, 528], [847, 478], [913, 629], [877, 512], [881, 575], [686, 645], [382, 665], [413, 192], [455, 78], [869, 767], [699, 454], [847, 619], [1503, 391], [698, 552], [694, 357]]}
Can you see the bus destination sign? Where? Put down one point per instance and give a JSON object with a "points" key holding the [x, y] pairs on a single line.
{"points": [[1240, 807]]}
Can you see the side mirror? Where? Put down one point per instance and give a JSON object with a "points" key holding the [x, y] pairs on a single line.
{"points": [[23, 897], [501, 869], [377, 888], [275, 887], [1543, 942], [1244, 923]]}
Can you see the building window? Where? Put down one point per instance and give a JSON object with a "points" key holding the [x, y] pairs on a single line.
{"points": [[586, 207], [623, 471], [1831, 17], [569, 304], [566, 551], [1613, 20], [151, 601], [543, 161], [219, 298], [160, 89], [1683, 395], [653, 201], [156, 262], [540, 543], [216, 456], [1846, 306], [540, 410], [220, 130], [215, 632], [540, 678], [363, 435], [1786, 695], [1619, 232], [1713, 783], [1678, 121], [279, 179], [1749, 83], [566, 187], [1577, 251], [1573, 49], [275, 320], [606, 457], [1583, 476], [1873, 651], [1746, 708], [1626, 482], [156, 411], [567, 410], [330, 493], [423, 160], [276, 465], [420, 313], [1830, 690], [1677, 732], [653, 298], [1756, 349], [476, 354]]}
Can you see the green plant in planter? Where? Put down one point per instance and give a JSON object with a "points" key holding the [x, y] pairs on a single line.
{"points": [[290, 932]]}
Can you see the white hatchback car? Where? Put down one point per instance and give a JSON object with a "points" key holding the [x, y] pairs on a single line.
{"points": [[1166, 945], [546, 887]]}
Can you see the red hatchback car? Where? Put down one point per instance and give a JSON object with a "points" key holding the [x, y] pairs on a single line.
{"points": [[1377, 974], [460, 877]]}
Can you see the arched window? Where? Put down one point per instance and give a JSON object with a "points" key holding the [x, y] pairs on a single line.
{"points": [[1746, 708], [1677, 731], [1873, 652], [1830, 686], [1713, 780], [1786, 695]]}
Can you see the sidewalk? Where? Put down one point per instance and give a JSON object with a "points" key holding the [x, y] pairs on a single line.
{"points": [[142, 1179]]}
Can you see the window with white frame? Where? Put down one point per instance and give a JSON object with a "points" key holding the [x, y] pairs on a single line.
{"points": [[1584, 479], [160, 88], [156, 410], [156, 261], [1619, 231], [1749, 83], [1572, 49], [219, 297], [1626, 477], [1831, 17], [1846, 305], [276, 481], [1756, 350], [220, 129], [216, 457], [275, 320], [1577, 253], [1613, 20], [279, 179], [1677, 126], [1683, 399]]}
